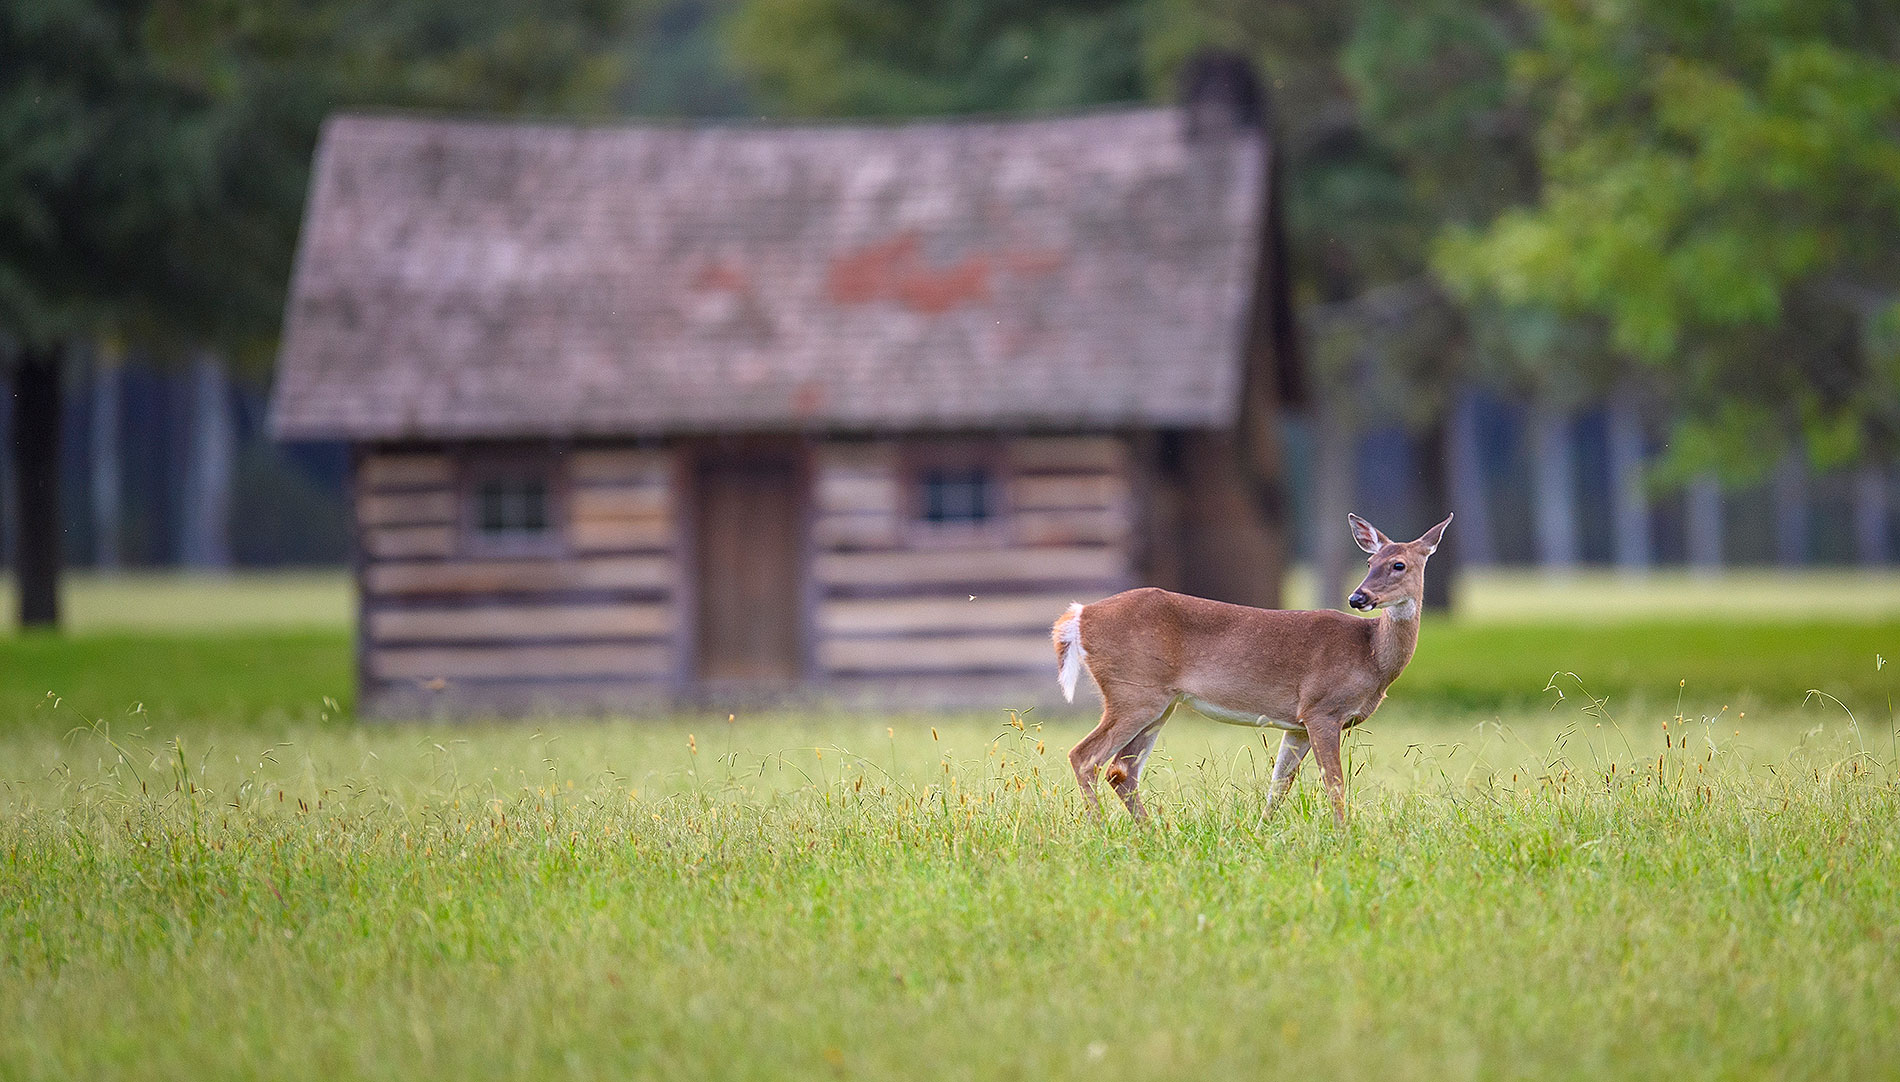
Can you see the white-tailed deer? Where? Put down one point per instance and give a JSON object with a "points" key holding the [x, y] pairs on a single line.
{"points": [[1313, 674]]}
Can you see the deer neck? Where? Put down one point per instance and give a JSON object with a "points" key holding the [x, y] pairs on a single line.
{"points": [[1395, 638]]}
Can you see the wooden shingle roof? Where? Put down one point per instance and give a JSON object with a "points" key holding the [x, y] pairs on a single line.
{"points": [[476, 279]]}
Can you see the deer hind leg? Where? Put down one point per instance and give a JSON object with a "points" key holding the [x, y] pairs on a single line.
{"points": [[1325, 738], [1286, 767], [1124, 773], [1125, 718]]}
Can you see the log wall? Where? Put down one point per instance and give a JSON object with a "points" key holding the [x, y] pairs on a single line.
{"points": [[597, 609], [604, 615], [899, 601]]}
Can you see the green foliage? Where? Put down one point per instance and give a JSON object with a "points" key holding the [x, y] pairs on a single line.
{"points": [[680, 65], [1721, 187], [104, 151], [885, 58], [1431, 81], [157, 151]]}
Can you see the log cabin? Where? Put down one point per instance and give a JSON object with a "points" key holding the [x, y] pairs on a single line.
{"points": [[649, 415]]}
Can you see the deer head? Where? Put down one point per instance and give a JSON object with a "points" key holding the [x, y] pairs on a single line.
{"points": [[1397, 576]]}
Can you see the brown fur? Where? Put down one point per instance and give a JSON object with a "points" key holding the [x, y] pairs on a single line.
{"points": [[1324, 671]]}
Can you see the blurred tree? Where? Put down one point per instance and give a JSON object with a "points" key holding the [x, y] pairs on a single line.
{"points": [[104, 155], [932, 57], [1397, 117], [680, 65], [154, 156], [1721, 193]]}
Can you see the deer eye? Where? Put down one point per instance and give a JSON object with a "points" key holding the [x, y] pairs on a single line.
{"points": [[1398, 565]]}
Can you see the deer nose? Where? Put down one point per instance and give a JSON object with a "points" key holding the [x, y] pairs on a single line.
{"points": [[1359, 600]]}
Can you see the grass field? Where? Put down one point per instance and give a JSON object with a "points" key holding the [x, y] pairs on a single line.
{"points": [[236, 881], [269, 650]]}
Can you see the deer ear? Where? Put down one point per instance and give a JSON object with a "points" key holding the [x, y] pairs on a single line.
{"points": [[1367, 535], [1434, 535]]}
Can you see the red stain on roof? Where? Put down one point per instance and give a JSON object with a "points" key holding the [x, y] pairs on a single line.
{"points": [[720, 277], [895, 270]]}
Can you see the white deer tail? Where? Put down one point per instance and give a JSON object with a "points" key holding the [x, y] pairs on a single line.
{"points": [[1069, 652]]}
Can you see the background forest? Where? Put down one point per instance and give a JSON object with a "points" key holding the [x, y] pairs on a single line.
{"points": [[1618, 281]]}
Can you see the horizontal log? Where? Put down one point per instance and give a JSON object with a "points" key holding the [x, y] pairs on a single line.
{"points": [[402, 470], [1085, 526], [621, 534], [526, 621], [433, 507], [621, 466], [859, 494], [1033, 454], [939, 615], [1025, 651], [878, 457], [505, 662], [397, 542], [951, 566], [1068, 491], [855, 531], [621, 502], [522, 576]]}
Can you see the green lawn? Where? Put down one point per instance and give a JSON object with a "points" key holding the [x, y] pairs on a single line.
{"points": [[265, 649], [234, 880], [170, 602], [811, 897], [148, 602]]}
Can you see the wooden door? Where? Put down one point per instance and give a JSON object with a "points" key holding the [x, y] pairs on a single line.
{"points": [[750, 532]]}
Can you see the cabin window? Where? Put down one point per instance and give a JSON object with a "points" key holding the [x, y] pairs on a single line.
{"points": [[512, 508], [509, 508], [956, 496]]}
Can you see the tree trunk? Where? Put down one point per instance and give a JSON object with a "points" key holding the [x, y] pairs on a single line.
{"points": [[1476, 544], [1791, 510], [1441, 585], [1870, 516], [106, 399], [206, 539], [1333, 488], [1553, 487], [7, 513], [1630, 502], [1702, 523], [36, 423]]}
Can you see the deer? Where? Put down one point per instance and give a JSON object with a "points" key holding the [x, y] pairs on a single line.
{"points": [[1311, 674]]}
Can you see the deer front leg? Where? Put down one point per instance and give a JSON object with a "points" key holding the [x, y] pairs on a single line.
{"points": [[1286, 767], [1324, 735]]}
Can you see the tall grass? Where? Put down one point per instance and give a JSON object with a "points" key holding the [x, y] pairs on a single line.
{"points": [[1544, 895]]}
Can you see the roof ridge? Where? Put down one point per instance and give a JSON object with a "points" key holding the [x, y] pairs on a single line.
{"points": [[1106, 110]]}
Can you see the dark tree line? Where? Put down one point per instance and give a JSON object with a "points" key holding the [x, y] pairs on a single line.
{"points": [[1689, 212]]}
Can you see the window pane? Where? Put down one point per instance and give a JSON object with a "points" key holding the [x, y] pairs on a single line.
{"points": [[956, 495], [534, 506], [515, 507], [492, 507]]}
